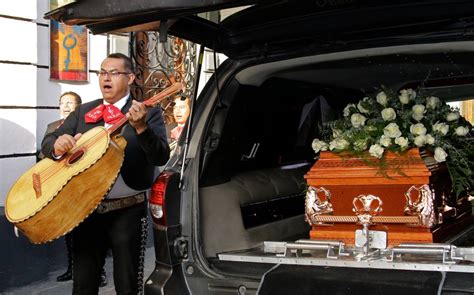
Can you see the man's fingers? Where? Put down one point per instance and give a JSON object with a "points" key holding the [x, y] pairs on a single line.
{"points": [[64, 143], [138, 108], [134, 115], [69, 143]]}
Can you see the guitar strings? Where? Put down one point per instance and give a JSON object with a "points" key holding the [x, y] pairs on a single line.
{"points": [[53, 168]]}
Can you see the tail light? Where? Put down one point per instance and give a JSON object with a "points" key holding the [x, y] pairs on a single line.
{"points": [[157, 198]]}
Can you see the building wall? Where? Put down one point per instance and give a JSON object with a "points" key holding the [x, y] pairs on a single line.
{"points": [[28, 99]]}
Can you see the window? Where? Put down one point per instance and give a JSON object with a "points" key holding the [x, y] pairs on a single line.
{"points": [[117, 43]]}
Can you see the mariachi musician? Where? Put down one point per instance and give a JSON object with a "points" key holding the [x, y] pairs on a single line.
{"points": [[119, 223]]}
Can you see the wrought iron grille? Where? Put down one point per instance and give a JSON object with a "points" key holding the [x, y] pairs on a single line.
{"points": [[158, 64]]}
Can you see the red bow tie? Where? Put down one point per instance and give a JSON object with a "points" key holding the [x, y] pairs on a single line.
{"points": [[176, 132], [109, 113]]}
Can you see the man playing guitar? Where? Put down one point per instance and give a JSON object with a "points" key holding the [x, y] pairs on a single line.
{"points": [[119, 223]]}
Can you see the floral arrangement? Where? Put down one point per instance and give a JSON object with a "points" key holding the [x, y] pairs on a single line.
{"points": [[391, 121]]}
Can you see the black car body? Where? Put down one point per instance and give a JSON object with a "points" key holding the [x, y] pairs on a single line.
{"points": [[236, 177]]}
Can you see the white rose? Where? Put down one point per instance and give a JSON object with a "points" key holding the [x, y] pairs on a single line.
{"points": [[442, 128], [338, 144], [361, 108], [382, 98], [433, 102], [347, 109], [376, 151], [358, 120], [429, 139], [452, 116], [406, 95], [388, 114], [385, 141], [418, 112], [462, 131], [392, 130], [360, 145], [402, 142], [440, 155], [319, 145], [420, 140], [411, 93], [404, 99], [418, 129]]}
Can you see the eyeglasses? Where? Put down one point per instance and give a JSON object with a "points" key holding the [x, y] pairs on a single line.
{"points": [[111, 73], [182, 107]]}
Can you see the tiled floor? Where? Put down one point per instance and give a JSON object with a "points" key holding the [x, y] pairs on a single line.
{"points": [[51, 287]]}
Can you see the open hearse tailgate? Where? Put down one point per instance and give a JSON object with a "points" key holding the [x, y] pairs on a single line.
{"points": [[267, 26]]}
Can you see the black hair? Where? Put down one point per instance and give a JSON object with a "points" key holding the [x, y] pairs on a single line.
{"points": [[126, 60], [77, 97]]}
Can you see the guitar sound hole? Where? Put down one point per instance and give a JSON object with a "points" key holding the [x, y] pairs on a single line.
{"points": [[76, 156]]}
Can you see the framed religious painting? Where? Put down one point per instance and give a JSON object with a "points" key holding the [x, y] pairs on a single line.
{"points": [[68, 51]]}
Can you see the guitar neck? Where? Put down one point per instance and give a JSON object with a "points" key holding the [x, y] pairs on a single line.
{"points": [[117, 125], [151, 102]]}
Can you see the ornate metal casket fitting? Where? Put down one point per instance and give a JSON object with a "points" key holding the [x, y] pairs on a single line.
{"points": [[317, 202], [421, 204], [365, 208]]}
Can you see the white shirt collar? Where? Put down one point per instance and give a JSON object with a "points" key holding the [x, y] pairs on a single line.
{"points": [[120, 103]]}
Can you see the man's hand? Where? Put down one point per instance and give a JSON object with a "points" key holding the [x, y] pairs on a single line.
{"points": [[65, 143], [136, 116]]}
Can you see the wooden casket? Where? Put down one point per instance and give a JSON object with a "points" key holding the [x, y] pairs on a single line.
{"points": [[413, 191]]}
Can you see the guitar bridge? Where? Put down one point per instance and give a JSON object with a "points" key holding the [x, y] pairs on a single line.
{"points": [[37, 184]]}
